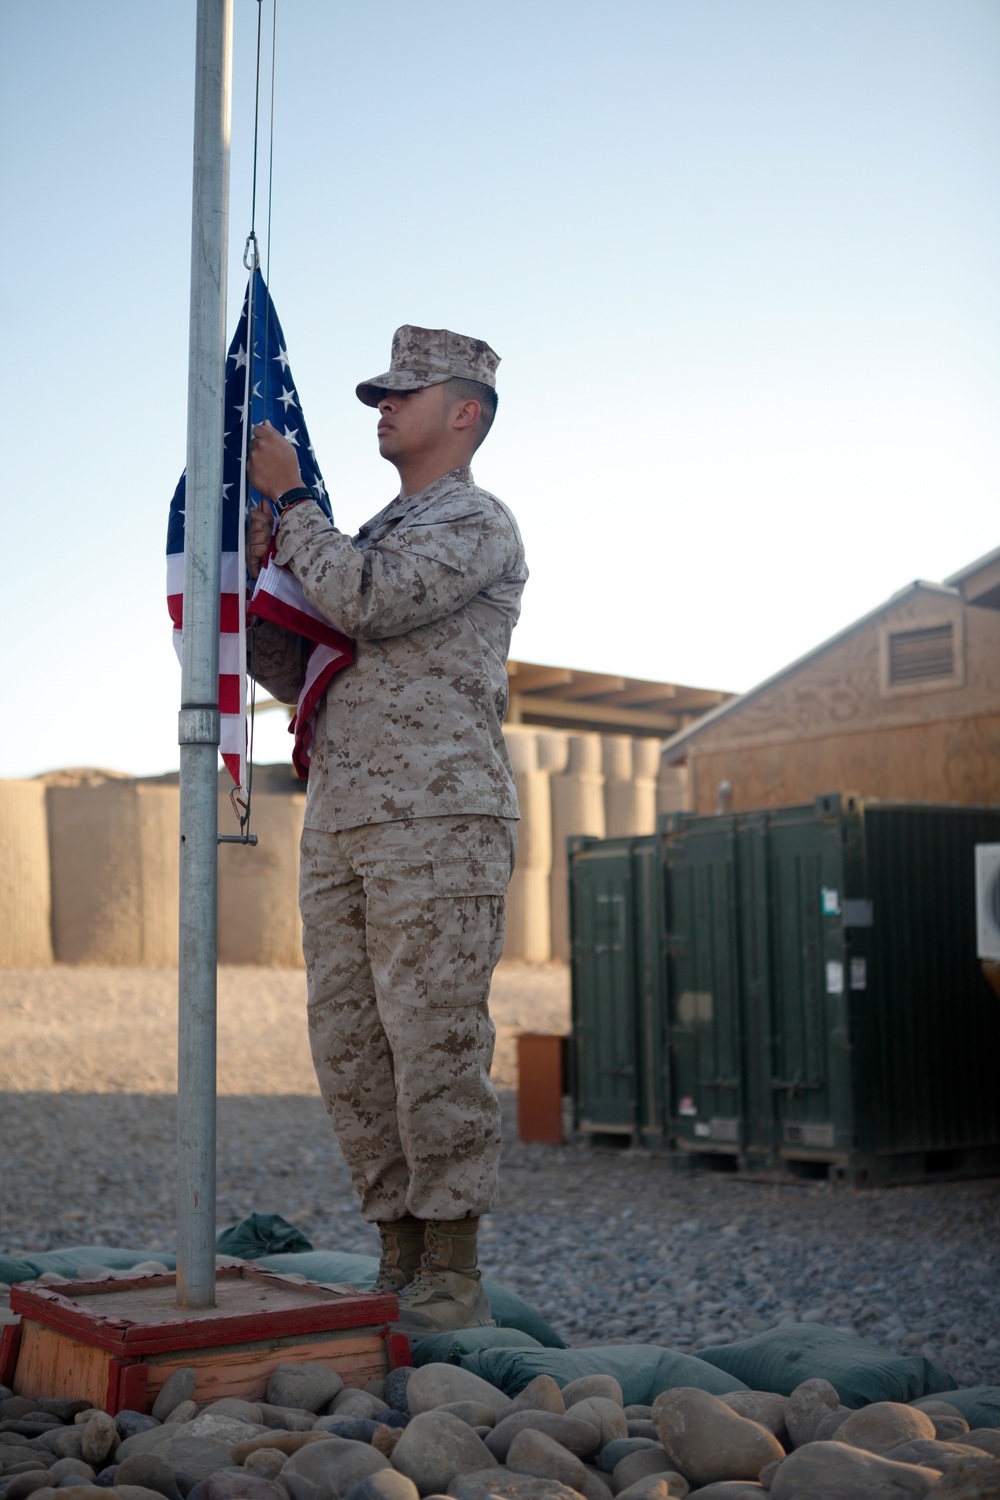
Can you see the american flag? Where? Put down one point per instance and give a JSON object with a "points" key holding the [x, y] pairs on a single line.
{"points": [[258, 381]]}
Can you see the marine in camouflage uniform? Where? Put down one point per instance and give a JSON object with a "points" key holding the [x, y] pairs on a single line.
{"points": [[409, 836]]}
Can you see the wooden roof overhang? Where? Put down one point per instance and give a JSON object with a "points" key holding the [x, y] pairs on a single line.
{"points": [[979, 583], [567, 698]]}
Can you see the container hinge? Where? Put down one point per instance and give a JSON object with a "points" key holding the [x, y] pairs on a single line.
{"points": [[797, 1085], [718, 1083]]}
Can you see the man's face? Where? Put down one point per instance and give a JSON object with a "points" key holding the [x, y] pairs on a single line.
{"points": [[413, 423]]}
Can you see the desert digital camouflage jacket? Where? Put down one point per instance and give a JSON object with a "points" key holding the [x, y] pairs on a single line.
{"points": [[430, 590]]}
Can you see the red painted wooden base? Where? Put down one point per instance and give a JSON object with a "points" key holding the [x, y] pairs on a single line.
{"points": [[116, 1342]]}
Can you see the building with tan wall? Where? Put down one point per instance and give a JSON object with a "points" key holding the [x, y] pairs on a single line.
{"points": [[903, 704]]}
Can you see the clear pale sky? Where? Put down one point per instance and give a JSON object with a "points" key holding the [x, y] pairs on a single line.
{"points": [[739, 258]]}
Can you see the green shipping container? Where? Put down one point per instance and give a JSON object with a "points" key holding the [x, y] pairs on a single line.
{"points": [[618, 1057], [797, 992]]}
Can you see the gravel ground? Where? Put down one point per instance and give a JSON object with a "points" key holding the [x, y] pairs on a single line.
{"points": [[610, 1246]]}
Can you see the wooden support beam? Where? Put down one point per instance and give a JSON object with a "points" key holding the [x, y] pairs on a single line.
{"points": [[570, 712]]}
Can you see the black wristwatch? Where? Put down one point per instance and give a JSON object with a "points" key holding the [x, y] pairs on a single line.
{"points": [[292, 497]]}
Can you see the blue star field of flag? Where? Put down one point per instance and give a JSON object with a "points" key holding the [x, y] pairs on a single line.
{"points": [[272, 397]]}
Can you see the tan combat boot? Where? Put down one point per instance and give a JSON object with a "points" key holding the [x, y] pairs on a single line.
{"points": [[402, 1250], [446, 1292]]}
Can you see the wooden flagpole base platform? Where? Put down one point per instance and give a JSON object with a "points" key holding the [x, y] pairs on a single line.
{"points": [[115, 1342]]}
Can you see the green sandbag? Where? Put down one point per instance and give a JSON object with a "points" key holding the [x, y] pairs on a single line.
{"points": [[326, 1265], [642, 1370], [508, 1309], [65, 1262], [261, 1234], [16, 1270], [861, 1372], [450, 1348], [979, 1404]]}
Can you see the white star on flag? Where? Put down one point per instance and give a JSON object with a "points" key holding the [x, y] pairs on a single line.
{"points": [[287, 398]]}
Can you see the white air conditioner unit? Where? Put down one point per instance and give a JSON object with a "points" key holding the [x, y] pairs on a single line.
{"points": [[988, 901]]}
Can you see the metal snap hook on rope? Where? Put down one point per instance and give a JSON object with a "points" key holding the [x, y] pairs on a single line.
{"points": [[253, 264]]}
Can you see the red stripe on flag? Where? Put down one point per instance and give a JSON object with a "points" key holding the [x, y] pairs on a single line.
{"points": [[232, 765], [229, 694], [229, 613], [175, 607]]}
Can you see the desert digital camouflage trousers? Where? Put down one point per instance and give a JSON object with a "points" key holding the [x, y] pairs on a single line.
{"points": [[403, 924]]}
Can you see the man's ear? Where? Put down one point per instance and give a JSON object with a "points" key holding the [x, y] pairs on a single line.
{"points": [[467, 416]]}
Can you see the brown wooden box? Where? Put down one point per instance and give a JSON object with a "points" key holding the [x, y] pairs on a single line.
{"points": [[115, 1342], [542, 1069]]}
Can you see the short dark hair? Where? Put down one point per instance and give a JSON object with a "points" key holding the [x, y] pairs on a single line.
{"points": [[475, 390]]}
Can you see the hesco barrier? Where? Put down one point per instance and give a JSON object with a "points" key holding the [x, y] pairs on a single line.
{"points": [[113, 857], [259, 919], [791, 991], [25, 926]]}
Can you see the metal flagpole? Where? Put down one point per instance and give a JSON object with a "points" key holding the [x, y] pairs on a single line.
{"points": [[198, 721]]}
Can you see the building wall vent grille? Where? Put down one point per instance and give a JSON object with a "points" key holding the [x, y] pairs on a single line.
{"points": [[921, 655]]}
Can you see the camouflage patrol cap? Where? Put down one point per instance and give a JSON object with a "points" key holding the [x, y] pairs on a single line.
{"points": [[430, 356]]}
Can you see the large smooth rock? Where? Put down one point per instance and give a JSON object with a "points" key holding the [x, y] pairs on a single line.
{"points": [[949, 1423], [575, 1435], [540, 1394], [237, 1484], [196, 1456], [100, 1435], [356, 1403], [232, 1406], [129, 1423], [151, 1471], [146, 1441], [385, 1438], [285, 1442], [23, 1485], [176, 1388], [730, 1489], [532, 1452], [435, 1447], [440, 1384], [612, 1453], [595, 1485], [504, 1486], [223, 1429], [653, 1487], [267, 1462], [394, 1388], [471, 1412], [387, 1484], [708, 1441], [986, 1439], [807, 1408], [185, 1412], [291, 1418], [978, 1478], [932, 1453], [308, 1386], [643, 1465], [581, 1389], [839, 1472], [765, 1407], [81, 1471], [67, 1442], [883, 1425], [609, 1416], [358, 1429], [327, 1470]]}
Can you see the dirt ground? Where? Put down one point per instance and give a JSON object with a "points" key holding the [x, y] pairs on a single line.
{"points": [[107, 1031]]}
